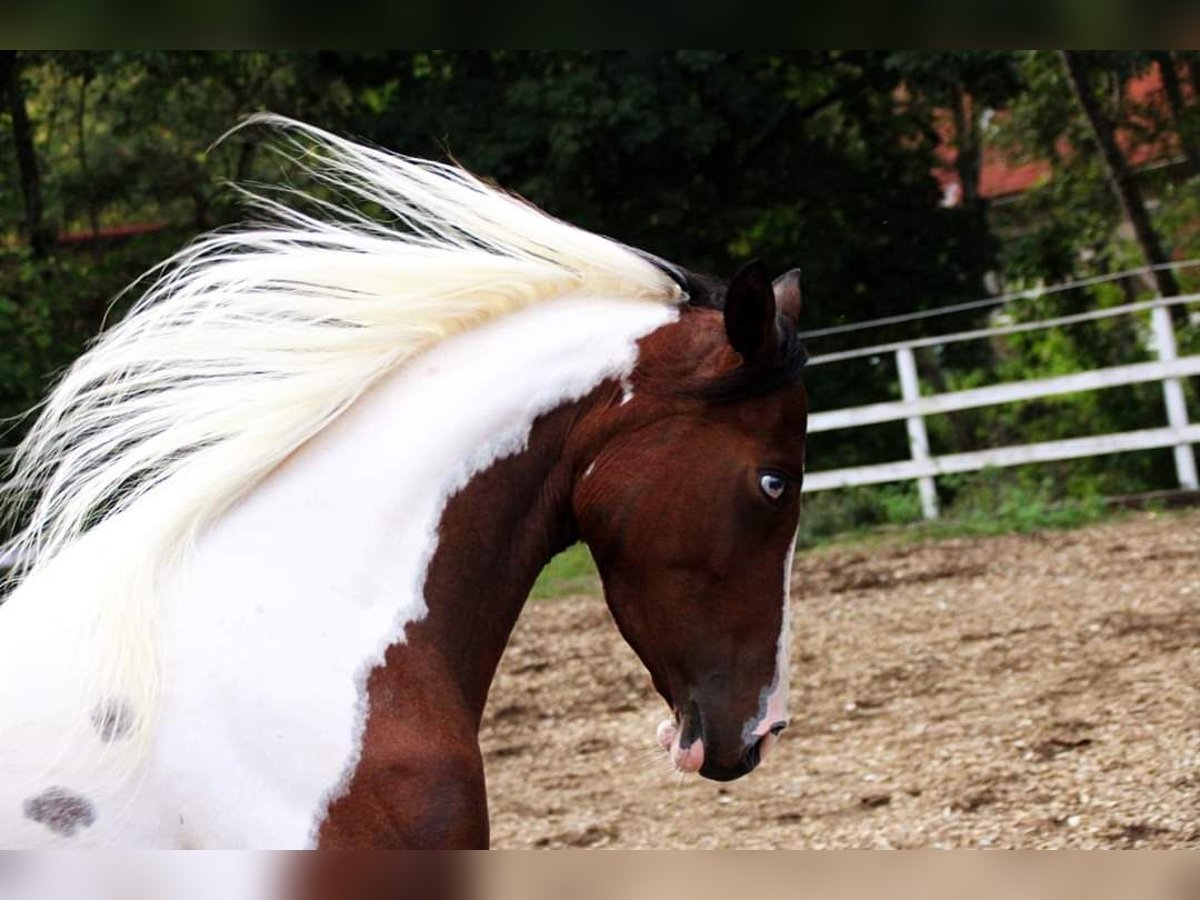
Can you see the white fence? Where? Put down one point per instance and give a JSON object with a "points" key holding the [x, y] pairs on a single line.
{"points": [[923, 467]]}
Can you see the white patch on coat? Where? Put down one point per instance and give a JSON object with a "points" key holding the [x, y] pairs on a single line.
{"points": [[292, 597], [626, 391], [214, 398], [246, 345]]}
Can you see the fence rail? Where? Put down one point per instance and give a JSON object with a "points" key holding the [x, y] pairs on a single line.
{"points": [[924, 466]]}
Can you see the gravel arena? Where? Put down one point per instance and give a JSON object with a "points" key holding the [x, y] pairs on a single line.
{"points": [[1038, 690]]}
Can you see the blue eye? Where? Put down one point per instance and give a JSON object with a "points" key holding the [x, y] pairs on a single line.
{"points": [[772, 485]]}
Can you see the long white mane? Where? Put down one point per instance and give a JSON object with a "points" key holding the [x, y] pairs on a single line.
{"points": [[250, 342]]}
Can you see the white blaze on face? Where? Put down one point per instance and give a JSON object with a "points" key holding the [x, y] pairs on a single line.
{"points": [[774, 704]]}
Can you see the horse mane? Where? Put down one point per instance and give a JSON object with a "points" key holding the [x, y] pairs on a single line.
{"points": [[249, 342]]}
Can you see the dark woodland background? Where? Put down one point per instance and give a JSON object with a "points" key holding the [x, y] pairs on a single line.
{"points": [[898, 181]]}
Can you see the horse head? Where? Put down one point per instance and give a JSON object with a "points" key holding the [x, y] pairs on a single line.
{"points": [[689, 498], [365, 444]]}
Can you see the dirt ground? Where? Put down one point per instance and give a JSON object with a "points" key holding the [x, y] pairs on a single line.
{"points": [[1022, 691]]}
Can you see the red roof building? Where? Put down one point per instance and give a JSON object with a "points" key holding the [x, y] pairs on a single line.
{"points": [[1001, 176]]}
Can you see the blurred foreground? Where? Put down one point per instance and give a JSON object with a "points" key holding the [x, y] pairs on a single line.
{"points": [[584, 876]]}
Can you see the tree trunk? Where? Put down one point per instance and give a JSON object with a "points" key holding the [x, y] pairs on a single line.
{"points": [[1193, 64], [199, 206], [1120, 176], [39, 236], [89, 193], [1179, 111], [245, 161], [968, 160]]}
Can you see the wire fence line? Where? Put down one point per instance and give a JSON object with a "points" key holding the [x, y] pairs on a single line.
{"points": [[1000, 330], [998, 300], [924, 467]]}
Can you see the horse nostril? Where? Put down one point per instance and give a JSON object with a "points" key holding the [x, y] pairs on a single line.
{"points": [[778, 727]]}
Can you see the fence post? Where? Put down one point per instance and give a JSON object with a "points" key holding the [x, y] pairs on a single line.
{"points": [[918, 440], [1177, 416]]}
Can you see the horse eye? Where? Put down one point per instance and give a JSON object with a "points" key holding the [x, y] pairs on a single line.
{"points": [[772, 485]]}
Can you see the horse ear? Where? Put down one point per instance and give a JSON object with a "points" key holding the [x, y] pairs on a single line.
{"points": [[787, 295], [750, 313]]}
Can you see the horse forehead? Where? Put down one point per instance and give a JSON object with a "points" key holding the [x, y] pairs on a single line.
{"points": [[781, 414], [778, 416], [694, 344], [694, 348]]}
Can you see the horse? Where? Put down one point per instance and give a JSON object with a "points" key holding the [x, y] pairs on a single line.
{"points": [[281, 519]]}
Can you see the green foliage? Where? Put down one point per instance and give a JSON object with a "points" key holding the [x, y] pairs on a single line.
{"points": [[831, 513], [51, 308], [706, 157], [994, 501], [571, 572], [128, 136], [821, 159]]}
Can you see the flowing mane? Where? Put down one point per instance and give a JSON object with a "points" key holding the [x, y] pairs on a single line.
{"points": [[249, 342]]}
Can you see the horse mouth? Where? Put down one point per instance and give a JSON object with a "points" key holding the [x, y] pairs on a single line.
{"points": [[747, 764], [685, 746]]}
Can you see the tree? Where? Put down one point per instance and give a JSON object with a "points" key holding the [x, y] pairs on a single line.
{"points": [[40, 237], [1120, 177], [1173, 88], [966, 84], [706, 158]]}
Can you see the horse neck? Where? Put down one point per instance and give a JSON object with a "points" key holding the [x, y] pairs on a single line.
{"points": [[495, 536], [512, 514], [393, 552]]}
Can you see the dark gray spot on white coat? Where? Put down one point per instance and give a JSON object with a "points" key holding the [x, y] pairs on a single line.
{"points": [[61, 811], [113, 720]]}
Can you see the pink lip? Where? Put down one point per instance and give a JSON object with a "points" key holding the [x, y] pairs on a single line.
{"points": [[667, 730], [685, 759]]}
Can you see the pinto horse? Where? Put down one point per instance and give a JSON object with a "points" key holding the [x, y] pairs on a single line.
{"points": [[286, 514]]}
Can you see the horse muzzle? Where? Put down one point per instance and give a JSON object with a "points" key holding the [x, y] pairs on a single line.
{"points": [[683, 739]]}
